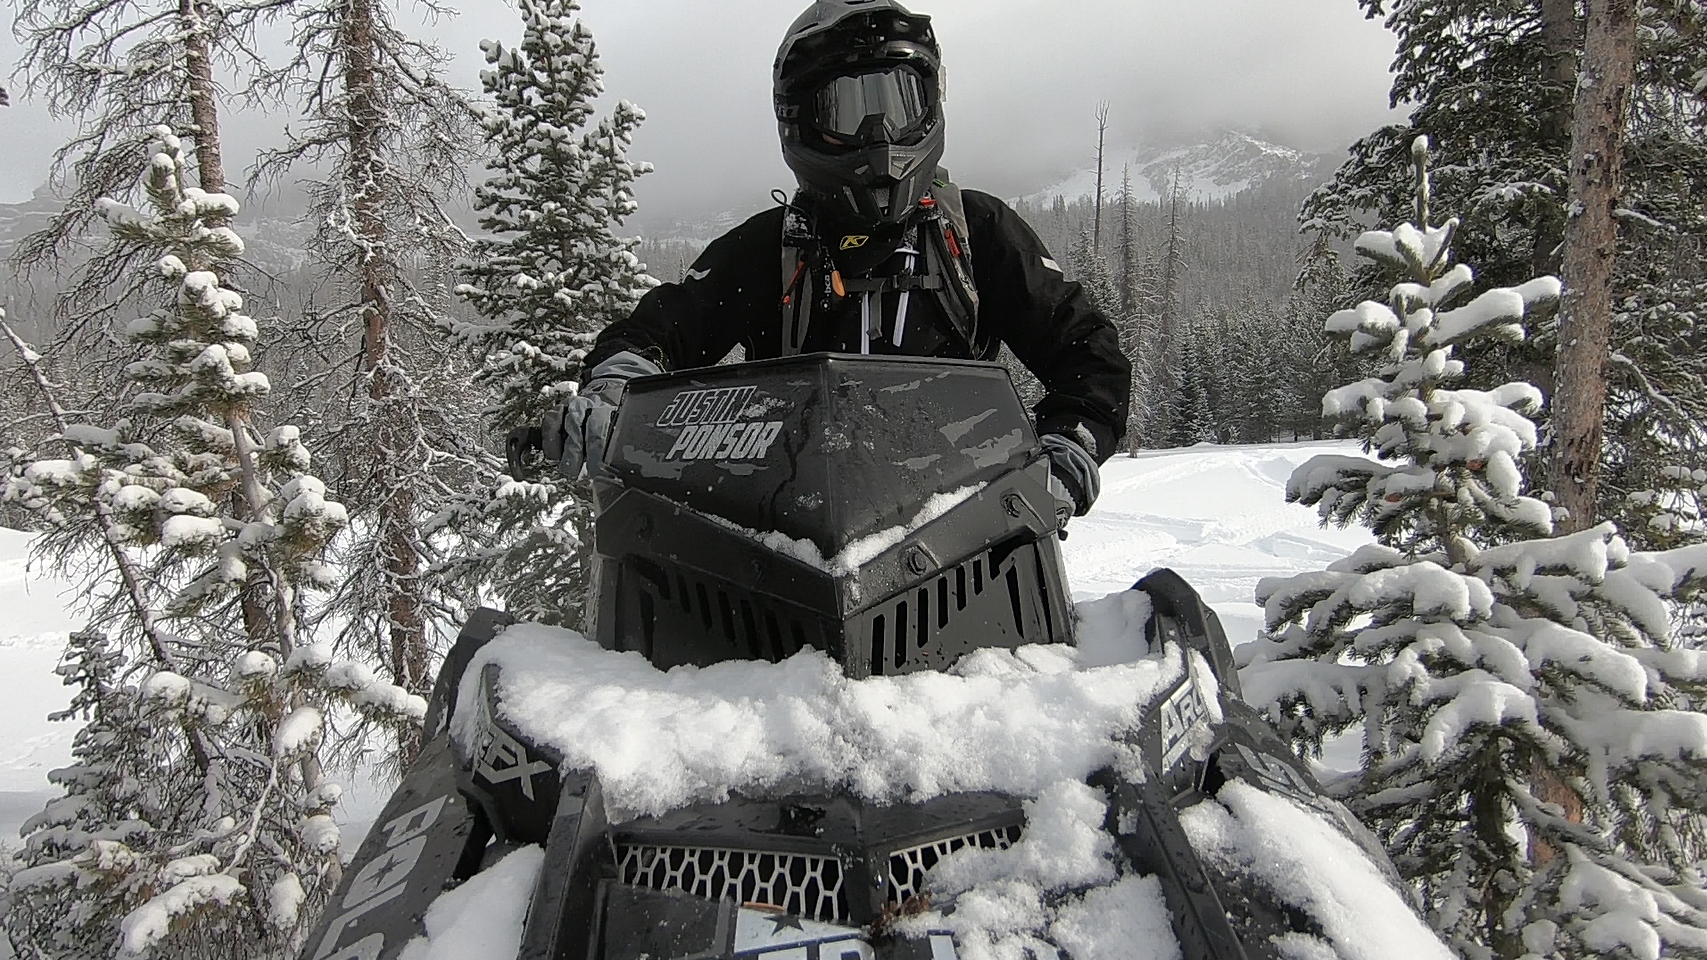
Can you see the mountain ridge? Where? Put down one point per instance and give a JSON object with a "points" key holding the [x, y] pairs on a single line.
{"points": [[1214, 166]]}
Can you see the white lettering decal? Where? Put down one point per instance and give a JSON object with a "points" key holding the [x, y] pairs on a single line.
{"points": [[350, 916], [1182, 712], [766, 439], [713, 425], [1276, 775], [682, 440], [504, 760], [415, 822], [367, 948], [383, 871], [381, 880]]}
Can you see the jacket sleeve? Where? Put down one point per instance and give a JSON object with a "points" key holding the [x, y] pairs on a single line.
{"points": [[697, 322], [1051, 326]]}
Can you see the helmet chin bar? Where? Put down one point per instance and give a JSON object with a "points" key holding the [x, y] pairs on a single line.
{"points": [[881, 184]]}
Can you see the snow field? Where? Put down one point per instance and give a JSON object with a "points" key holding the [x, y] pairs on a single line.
{"points": [[33, 630], [1217, 515]]}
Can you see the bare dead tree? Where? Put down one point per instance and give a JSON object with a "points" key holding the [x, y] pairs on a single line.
{"points": [[388, 139], [1102, 133]]}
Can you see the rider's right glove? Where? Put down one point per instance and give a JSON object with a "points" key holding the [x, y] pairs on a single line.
{"points": [[574, 433]]}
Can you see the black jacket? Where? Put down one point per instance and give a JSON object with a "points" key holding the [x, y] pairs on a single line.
{"points": [[733, 295]]}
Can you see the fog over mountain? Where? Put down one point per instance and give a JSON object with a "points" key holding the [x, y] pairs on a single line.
{"points": [[1219, 164], [1024, 80]]}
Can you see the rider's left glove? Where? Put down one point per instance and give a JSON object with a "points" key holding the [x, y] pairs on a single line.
{"points": [[573, 434], [1073, 473]]}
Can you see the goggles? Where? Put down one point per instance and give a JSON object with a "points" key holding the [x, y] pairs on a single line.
{"points": [[886, 105]]}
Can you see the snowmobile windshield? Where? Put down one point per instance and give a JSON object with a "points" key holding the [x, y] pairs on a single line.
{"points": [[879, 106]]}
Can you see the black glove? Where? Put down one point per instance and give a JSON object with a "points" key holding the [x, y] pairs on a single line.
{"points": [[522, 449], [1073, 472], [575, 432]]}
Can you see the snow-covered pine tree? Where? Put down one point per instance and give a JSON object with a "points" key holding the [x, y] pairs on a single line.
{"points": [[389, 141], [195, 820], [1661, 333], [1137, 318], [1190, 416], [119, 69], [551, 275], [1485, 664], [1493, 85], [1091, 269], [1164, 383]]}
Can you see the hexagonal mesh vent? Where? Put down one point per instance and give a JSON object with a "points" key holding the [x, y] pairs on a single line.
{"points": [[801, 884], [907, 868]]}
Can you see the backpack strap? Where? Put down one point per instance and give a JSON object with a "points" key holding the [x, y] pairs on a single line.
{"points": [[943, 241], [797, 243], [948, 252]]}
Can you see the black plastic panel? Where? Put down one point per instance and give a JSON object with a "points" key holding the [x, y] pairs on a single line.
{"points": [[427, 838], [825, 447]]}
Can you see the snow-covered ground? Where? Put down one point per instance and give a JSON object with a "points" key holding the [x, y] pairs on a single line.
{"points": [[1216, 514], [33, 627]]}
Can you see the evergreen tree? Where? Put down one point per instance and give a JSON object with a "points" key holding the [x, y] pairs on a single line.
{"points": [[195, 821], [121, 69], [553, 275], [1091, 270], [1190, 414], [1649, 464], [1168, 381], [1494, 84], [1483, 661], [1126, 251], [1136, 320]]}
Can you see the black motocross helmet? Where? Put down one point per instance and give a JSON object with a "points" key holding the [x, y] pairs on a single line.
{"points": [[858, 92]]}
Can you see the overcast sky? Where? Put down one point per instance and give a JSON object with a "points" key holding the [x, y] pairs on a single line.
{"points": [[1024, 79]]}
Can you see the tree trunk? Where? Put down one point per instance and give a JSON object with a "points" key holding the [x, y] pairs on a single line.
{"points": [[1591, 247], [204, 97], [1585, 315], [1561, 37], [393, 436], [1102, 131]]}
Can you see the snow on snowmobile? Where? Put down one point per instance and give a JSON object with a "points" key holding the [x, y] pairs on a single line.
{"points": [[751, 511]]}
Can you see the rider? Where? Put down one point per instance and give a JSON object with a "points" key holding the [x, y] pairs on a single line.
{"points": [[878, 252]]}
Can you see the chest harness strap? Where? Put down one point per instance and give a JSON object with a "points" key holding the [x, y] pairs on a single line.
{"points": [[937, 240]]}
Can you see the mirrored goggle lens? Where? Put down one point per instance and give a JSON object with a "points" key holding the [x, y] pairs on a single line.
{"points": [[870, 107]]}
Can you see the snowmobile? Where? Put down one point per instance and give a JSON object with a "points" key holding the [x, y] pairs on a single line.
{"points": [[750, 511]]}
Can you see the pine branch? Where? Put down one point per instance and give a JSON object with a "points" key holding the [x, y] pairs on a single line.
{"points": [[158, 639]]}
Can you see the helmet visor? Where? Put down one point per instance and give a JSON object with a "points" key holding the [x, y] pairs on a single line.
{"points": [[880, 106]]}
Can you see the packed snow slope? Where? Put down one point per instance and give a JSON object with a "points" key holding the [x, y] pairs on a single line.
{"points": [[1218, 515]]}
